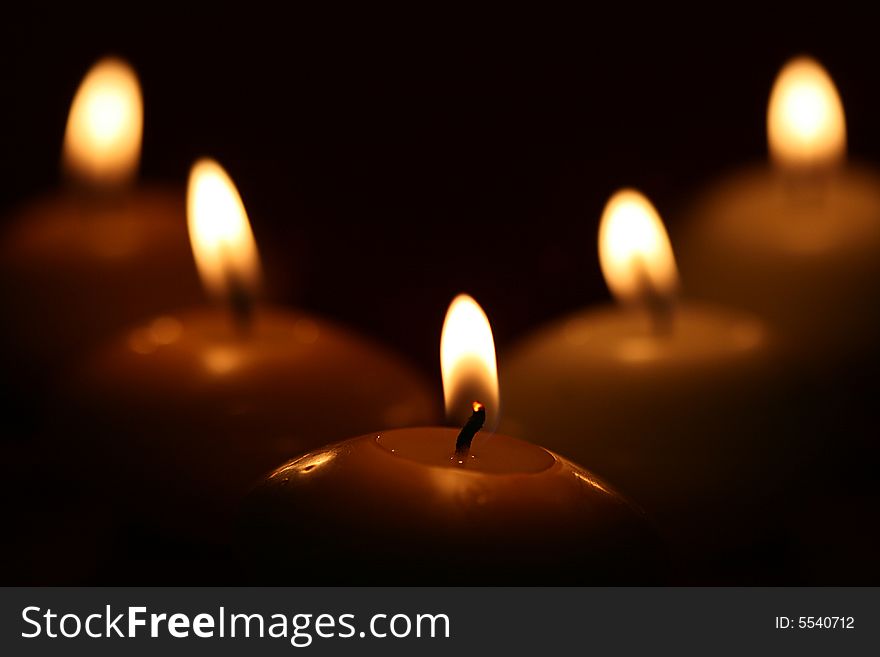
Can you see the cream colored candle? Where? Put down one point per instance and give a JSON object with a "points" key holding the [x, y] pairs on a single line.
{"points": [[408, 507], [84, 262], [797, 241], [670, 400], [188, 409]]}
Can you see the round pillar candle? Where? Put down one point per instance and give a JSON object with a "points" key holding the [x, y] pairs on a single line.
{"points": [[396, 508], [798, 240], [82, 263], [428, 506], [672, 401], [189, 409]]}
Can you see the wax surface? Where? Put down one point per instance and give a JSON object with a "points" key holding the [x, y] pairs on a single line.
{"points": [[679, 421], [356, 511], [604, 371], [803, 253], [75, 270], [765, 210], [187, 407], [494, 454], [698, 336]]}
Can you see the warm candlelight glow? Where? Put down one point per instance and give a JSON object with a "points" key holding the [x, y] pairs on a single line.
{"points": [[102, 142], [220, 233], [306, 464], [805, 121], [634, 250], [467, 362]]}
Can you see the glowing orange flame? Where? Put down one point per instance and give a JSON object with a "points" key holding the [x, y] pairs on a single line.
{"points": [[467, 362], [805, 120], [102, 142], [219, 231], [634, 250]]}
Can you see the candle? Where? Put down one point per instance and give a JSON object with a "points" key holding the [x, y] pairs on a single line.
{"points": [[86, 261], [797, 241], [669, 399], [436, 505], [188, 409]]}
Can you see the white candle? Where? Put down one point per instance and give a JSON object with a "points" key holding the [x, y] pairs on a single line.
{"points": [[668, 400], [797, 241]]}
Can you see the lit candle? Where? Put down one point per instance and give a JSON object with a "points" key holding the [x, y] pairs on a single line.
{"points": [[104, 252], [797, 241], [665, 398], [191, 408], [436, 505]]}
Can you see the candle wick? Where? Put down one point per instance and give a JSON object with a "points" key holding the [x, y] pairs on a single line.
{"points": [[468, 431], [238, 296], [103, 195], [94, 202], [660, 307], [241, 302]]}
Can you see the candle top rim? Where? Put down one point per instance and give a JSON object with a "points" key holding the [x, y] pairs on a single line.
{"points": [[711, 332], [492, 453], [771, 213]]}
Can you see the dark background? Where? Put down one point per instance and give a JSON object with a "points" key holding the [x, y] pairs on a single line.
{"points": [[393, 158]]}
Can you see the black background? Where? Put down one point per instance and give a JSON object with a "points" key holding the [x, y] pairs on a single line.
{"points": [[391, 158]]}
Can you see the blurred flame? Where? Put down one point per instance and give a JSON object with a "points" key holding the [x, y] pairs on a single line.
{"points": [[805, 120], [102, 141], [219, 231], [467, 362], [634, 249]]}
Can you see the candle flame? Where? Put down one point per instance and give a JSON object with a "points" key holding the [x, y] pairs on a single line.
{"points": [[634, 250], [102, 141], [805, 119], [220, 233], [467, 362]]}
